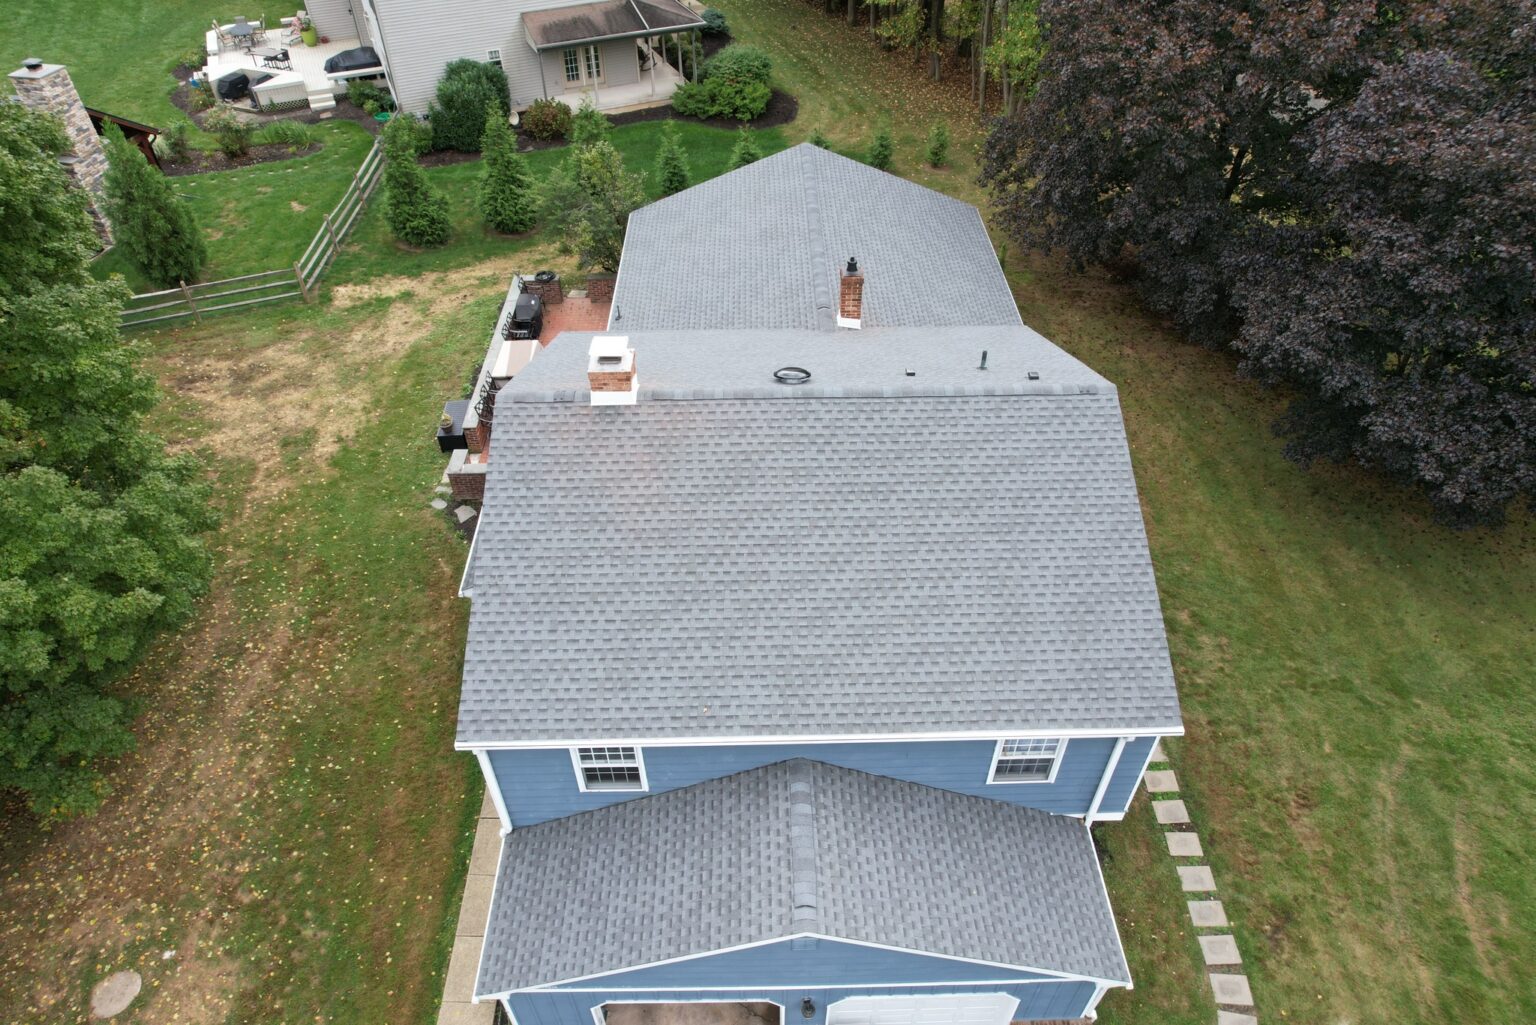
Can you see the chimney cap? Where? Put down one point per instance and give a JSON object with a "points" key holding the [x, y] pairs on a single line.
{"points": [[853, 265], [32, 63]]}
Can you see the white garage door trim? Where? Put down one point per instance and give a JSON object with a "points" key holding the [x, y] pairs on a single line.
{"points": [[925, 1009]]}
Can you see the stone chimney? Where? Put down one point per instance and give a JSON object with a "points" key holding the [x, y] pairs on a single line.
{"points": [[611, 371], [850, 296], [47, 87]]}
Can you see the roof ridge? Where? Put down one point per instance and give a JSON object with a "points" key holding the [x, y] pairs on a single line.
{"points": [[821, 266], [775, 392], [805, 902]]}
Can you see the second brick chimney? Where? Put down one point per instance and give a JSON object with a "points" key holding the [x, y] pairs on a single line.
{"points": [[850, 296]]}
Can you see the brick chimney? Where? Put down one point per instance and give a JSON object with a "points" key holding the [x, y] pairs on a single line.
{"points": [[850, 296], [47, 87], [611, 371]]}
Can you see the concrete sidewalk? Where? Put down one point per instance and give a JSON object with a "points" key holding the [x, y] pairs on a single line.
{"points": [[465, 961]]}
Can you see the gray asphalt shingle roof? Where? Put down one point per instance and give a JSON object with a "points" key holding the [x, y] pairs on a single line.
{"points": [[762, 247], [956, 550], [798, 847]]}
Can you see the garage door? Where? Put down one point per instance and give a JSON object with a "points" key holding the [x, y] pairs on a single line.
{"points": [[930, 1009]]}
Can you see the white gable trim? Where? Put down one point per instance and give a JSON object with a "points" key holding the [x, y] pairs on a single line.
{"points": [[1055, 974]]}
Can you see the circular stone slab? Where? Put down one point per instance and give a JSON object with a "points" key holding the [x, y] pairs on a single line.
{"points": [[113, 994]]}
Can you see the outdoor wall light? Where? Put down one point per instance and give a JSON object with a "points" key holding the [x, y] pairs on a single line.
{"points": [[807, 1008]]}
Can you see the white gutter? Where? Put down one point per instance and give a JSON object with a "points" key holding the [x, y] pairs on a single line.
{"points": [[1109, 772]]}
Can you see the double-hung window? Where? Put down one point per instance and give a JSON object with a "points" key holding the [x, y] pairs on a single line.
{"points": [[493, 57], [609, 768], [1029, 760]]}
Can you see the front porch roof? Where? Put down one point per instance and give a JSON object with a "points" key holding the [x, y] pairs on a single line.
{"points": [[560, 27]]}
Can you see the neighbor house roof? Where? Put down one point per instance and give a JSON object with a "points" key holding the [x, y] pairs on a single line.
{"points": [[906, 544], [799, 847], [607, 19], [763, 246]]}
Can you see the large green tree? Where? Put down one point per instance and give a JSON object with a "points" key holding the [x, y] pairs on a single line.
{"points": [[507, 197], [672, 174], [99, 528], [1345, 192], [149, 221], [416, 212], [587, 201]]}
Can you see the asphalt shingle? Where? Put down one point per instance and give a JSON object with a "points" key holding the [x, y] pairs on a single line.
{"points": [[798, 847], [762, 247], [959, 550]]}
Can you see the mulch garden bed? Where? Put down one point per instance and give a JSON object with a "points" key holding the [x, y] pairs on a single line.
{"points": [[201, 162], [782, 109]]}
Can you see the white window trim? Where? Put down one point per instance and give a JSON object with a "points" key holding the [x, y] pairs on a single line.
{"points": [[581, 776], [493, 56], [997, 754]]}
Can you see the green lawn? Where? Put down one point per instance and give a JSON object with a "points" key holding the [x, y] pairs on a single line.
{"points": [[262, 217], [372, 250], [1356, 679], [119, 53]]}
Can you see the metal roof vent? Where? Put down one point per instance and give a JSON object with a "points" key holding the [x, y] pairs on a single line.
{"points": [[791, 375]]}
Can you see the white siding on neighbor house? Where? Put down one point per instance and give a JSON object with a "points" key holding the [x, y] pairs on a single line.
{"points": [[333, 19], [424, 35]]}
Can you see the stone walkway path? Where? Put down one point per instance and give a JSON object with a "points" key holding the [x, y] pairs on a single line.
{"points": [[464, 962], [1223, 961]]}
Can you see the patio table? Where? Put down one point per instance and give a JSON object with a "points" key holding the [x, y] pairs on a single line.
{"points": [[272, 57]]}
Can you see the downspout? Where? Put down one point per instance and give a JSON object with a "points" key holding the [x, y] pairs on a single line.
{"points": [[1109, 772], [484, 758]]}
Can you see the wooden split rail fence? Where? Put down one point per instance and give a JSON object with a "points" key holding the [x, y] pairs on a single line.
{"points": [[299, 281]]}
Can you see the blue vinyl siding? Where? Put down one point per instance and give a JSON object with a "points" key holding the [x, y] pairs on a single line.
{"points": [[805, 962], [540, 784], [1049, 1000], [1122, 785]]}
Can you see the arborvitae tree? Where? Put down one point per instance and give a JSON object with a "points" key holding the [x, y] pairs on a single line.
{"points": [[587, 201], [590, 125], [938, 145], [746, 150], [151, 224], [99, 528], [881, 149], [458, 111], [416, 212], [671, 162], [506, 189]]}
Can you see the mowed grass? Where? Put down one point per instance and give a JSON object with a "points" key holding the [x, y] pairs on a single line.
{"points": [[1356, 680], [119, 52], [261, 217], [295, 825], [372, 249]]}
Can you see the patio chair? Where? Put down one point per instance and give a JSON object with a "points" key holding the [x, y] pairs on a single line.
{"points": [[222, 36]]}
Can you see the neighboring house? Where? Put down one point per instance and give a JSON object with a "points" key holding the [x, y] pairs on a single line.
{"points": [[800, 697], [607, 50]]}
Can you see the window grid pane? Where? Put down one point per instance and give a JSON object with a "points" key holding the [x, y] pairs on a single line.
{"points": [[612, 777], [1026, 760], [594, 63], [572, 66], [607, 756]]}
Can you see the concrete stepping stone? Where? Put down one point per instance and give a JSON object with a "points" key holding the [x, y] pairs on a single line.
{"points": [[439, 504], [113, 994], [1207, 914], [1184, 845], [1196, 878], [1233, 1018], [465, 513], [443, 489], [1220, 950], [1231, 989], [1171, 813], [1162, 781]]}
